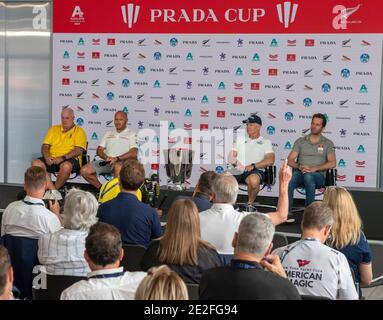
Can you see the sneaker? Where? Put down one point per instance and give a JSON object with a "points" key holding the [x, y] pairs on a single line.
{"points": [[250, 208], [290, 218], [52, 195]]}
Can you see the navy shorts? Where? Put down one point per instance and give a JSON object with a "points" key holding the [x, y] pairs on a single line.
{"points": [[241, 178]]}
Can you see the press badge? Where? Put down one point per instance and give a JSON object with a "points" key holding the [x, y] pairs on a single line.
{"points": [[320, 148]]}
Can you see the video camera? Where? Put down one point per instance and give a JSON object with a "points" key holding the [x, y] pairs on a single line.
{"points": [[151, 190]]}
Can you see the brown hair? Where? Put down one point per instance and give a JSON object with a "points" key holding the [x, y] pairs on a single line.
{"points": [[5, 264], [35, 178], [205, 182], [162, 283], [132, 174], [182, 237], [317, 216]]}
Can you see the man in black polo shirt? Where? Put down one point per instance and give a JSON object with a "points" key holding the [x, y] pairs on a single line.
{"points": [[245, 277], [137, 222]]}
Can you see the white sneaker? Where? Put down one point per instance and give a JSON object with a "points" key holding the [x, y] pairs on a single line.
{"points": [[52, 195]]}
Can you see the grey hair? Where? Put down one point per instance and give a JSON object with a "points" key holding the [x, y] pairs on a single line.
{"points": [[317, 216], [225, 188], [80, 210], [255, 233]]}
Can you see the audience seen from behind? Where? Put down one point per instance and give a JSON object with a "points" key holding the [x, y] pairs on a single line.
{"points": [[138, 222], [62, 252], [6, 275], [107, 280], [314, 268], [29, 217], [181, 247], [221, 221], [203, 193], [245, 277], [346, 233], [162, 283]]}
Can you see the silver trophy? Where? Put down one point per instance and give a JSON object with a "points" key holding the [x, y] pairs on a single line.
{"points": [[178, 164]]}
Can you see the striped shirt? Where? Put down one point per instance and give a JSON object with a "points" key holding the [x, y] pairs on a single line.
{"points": [[62, 252]]}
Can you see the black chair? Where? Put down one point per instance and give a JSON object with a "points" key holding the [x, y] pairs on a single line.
{"points": [[193, 291], [55, 285], [23, 253], [279, 240], [308, 297], [133, 254]]}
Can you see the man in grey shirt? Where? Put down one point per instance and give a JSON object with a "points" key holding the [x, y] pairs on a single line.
{"points": [[311, 156]]}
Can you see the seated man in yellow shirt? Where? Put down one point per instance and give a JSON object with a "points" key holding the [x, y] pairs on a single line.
{"points": [[110, 189], [61, 151]]}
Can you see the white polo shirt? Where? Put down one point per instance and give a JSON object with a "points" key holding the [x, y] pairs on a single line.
{"points": [[118, 143], [218, 225], [29, 218], [110, 284], [318, 270], [252, 150]]}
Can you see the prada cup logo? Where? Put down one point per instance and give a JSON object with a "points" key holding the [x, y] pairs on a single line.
{"points": [[130, 14], [340, 21], [287, 13]]}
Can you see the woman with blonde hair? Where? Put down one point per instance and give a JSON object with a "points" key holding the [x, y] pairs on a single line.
{"points": [[162, 283], [181, 246], [347, 235]]}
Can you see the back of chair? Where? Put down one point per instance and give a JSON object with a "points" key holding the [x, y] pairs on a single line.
{"points": [[279, 240], [133, 254], [55, 285], [270, 173], [331, 177], [193, 291], [23, 253]]}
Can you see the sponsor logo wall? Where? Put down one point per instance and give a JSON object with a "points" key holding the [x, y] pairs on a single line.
{"points": [[207, 80]]}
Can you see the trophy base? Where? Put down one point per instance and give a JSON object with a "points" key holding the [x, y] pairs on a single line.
{"points": [[177, 187]]}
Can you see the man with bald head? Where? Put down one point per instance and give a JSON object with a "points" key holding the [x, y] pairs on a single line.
{"points": [[116, 146], [61, 151]]}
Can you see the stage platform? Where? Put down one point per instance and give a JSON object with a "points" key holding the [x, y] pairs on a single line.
{"points": [[369, 203]]}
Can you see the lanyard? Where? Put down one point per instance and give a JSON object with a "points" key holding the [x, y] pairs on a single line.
{"points": [[33, 203], [238, 264], [288, 250], [107, 275]]}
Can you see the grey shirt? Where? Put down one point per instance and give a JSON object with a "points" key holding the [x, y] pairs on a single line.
{"points": [[313, 154]]}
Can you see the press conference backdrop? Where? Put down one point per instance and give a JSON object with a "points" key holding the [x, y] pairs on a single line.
{"points": [[207, 65]]}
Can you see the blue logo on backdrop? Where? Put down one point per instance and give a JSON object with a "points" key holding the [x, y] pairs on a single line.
{"points": [[173, 42], [345, 73], [141, 69], [326, 87], [157, 55], [110, 96], [80, 122], [219, 169], [125, 83], [364, 58], [95, 108], [307, 102], [289, 116], [270, 130]]}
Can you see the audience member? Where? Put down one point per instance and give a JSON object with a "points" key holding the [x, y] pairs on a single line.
{"points": [[62, 252], [203, 193], [162, 283], [138, 223], [29, 217], [6, 275], [245, 277], [346, 233], [314, 268], [221, 221], [181, 247], [107, 281]]}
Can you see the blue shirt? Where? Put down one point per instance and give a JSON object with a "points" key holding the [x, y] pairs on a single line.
{"points": [[201, 201], [137, 222], [357, 254]]}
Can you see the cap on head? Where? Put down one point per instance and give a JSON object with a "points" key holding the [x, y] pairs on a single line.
{"points": [[253, 119]]}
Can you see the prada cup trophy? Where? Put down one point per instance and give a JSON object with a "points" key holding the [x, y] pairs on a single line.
{"points": [[178, 164]]}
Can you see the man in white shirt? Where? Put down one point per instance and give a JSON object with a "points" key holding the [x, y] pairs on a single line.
{"points": [[221, 221], [29, 217], [116, 146], [314, 268], [107, 280], [251, 155]]}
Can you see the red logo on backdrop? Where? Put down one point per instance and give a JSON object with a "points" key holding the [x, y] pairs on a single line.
{"points": [[81, 55], [309, 43], [77, 16], [96, 42], [188, 140], [66, 68], [204, 126], [359, 179], [291, 57], [254, 86], [341, 177], [221, 113], [273, 72], [360, 164], [238, 100], [80, 68], [287, 13], [155, 166], [111, 41], [204, 113], [65, 81], [130, 14], [95, 55], [221, 99]]}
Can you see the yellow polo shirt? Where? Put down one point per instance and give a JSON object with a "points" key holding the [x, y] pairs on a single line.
{"points": [[111, 189], [64, 142]]}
